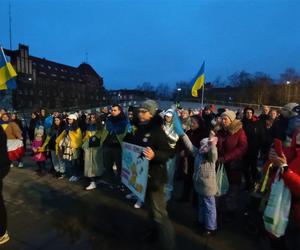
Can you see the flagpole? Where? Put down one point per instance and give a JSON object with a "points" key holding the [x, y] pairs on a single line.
{"points": [[10, 37], [202, 96], [2, 51]]}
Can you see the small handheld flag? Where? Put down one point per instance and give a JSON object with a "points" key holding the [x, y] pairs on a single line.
{"points": [[198, 81], [7, 71]]}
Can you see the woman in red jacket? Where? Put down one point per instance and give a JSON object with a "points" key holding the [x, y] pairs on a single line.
{"points": [[291, 177], [232, 146]]}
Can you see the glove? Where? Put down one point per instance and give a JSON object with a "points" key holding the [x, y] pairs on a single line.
{"points": [[177, 124]]}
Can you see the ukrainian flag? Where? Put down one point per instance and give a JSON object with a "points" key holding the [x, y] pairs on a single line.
{"points": [[7, 71], [198, 81]]}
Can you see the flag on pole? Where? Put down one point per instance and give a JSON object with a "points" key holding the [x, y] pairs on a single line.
{"points": [[7, 71], [198, 81]]}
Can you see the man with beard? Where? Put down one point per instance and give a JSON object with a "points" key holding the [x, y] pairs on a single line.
{"points": [[114, 132]]}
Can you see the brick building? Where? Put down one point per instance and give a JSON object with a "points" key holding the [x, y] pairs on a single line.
{"points": [[43, 83]]}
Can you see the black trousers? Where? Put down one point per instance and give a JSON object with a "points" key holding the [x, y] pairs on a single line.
{"points": [[157, 211], [3, 216]]}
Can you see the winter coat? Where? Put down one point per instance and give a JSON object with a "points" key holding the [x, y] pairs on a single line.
{"points": [[38, 156], [4, 161], [232, 142], [171, 134], [115, 130], [93, 156], [53, 134], [31, 128], [292, 180], [291, 176], [13, 131], [253, 130], [208, 119], [152, 135], [204, 169]]}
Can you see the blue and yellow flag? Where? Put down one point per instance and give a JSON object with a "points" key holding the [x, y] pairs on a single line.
{"points": [[7, 71], [198, 81]]}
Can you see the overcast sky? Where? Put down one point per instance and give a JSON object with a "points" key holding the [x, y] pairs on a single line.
{"points": [[159, 41]]}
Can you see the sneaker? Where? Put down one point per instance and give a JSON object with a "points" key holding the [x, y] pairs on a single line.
{"points": [[20, 165], [75, 178], [91, 186], [71, 178], [4, 238], [121, 188], [138, 204], [60, 176], [11, 165], [130, 196]]}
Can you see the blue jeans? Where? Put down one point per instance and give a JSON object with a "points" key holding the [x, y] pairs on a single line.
{"points": [[171, 165], [207, 214], [72, 167]]}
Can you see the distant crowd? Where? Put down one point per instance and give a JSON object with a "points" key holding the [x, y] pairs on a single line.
{"points": [[245, 149]]}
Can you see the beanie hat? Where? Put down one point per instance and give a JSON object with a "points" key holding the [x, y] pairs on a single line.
{"points": [[230, 114], [149, 105]]}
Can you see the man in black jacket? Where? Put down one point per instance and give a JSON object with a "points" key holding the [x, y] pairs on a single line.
{"points": [[4, 168], [150, 134], [253, 130]]}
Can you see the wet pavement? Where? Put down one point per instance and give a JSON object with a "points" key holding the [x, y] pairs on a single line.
{"points": [[46, 213]]}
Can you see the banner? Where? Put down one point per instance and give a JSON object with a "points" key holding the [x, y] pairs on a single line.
{"points": [[134, 169]]}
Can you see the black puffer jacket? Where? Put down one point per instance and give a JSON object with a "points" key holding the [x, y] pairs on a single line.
{"points": [[152, 135], [4, 161]]}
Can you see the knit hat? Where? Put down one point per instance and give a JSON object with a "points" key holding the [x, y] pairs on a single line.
{"points": [[230, 114], [149, 105]]}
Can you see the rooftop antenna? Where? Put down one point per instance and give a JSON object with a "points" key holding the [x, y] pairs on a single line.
{"points": [[9, 15]]}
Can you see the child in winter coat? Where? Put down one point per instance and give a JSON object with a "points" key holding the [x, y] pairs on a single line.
{"points": [[204, 177], [39, 156]]}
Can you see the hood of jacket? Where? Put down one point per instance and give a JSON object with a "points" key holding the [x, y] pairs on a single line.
{"points": [[234, 127]]}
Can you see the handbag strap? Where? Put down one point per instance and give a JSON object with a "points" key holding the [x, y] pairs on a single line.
{"points": [[266, 178]]}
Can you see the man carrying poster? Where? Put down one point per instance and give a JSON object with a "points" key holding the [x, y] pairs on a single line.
{"points": [[150, 135]]}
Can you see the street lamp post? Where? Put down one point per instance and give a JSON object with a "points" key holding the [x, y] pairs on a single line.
{"points": [[288, 90]]}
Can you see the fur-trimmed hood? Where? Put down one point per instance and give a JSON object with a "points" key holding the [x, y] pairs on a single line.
{"points": [[234, 127]]}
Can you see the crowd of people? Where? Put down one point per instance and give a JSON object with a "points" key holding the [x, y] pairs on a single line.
{"points": [[180, 144]]}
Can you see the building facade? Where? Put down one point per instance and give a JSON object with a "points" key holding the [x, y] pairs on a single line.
{"points": [[43, 83]]}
